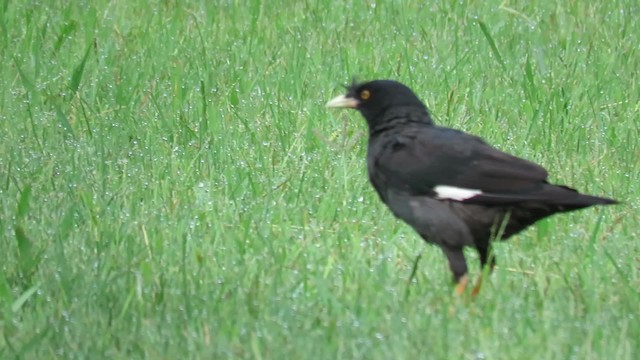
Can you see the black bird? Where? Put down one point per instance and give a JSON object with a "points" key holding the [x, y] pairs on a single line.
{"points": [[454, 189]]}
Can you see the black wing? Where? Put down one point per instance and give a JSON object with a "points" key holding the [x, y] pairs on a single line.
{"points": [[418, 160]]}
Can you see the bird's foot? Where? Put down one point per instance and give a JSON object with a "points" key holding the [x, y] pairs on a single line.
{"points": [[476, 288], [461, 286]]}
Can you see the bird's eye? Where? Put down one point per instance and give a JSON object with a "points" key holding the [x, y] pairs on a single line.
{"points": [[365, 94]]}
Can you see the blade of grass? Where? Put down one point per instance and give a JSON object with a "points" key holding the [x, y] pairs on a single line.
{"points": [[76, 77], [27, 82], [66, 30], [528, 72], [203, 131], [23, 203], [6, 295], [62, 118], [27, 261], [492, 43], [414, 270], [3, 25], [7, 180], [594, 237], [83, 107], [22, 299], [624, 277]]}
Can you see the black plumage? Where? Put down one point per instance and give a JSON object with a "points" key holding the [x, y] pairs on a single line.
{"points": [[454, 189]]}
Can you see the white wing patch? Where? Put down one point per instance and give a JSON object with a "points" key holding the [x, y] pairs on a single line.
{"points": [[444, 192]]}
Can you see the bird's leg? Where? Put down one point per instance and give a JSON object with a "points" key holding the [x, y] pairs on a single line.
{"points": [[458, 267], [486, 256]]}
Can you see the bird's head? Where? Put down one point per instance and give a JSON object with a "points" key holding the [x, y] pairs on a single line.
{"points": [[375, 98]]}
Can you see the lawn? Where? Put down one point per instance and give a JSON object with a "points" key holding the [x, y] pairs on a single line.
{"points": [[173, 187]]}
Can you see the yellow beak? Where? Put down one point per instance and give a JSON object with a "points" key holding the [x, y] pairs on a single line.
{"points": [[342, 101]]}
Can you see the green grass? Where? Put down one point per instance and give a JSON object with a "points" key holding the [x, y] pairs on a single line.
{"points": [[172, 186]]}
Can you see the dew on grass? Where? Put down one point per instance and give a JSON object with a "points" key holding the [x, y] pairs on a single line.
{"points": [[479, 355]]}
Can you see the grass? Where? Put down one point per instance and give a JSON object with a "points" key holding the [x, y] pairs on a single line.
{"points": [[172, 185]]}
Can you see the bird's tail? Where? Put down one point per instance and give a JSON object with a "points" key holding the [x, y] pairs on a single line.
{"points": [[573, 200]]}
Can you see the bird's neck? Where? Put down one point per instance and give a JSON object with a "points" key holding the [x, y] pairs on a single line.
{"points": [[398, 116]]}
